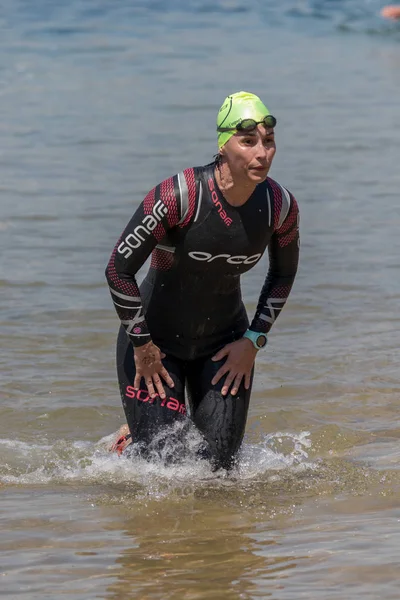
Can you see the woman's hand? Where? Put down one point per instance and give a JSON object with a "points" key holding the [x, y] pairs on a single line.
{"points": [[239, 363], [148, 365]]}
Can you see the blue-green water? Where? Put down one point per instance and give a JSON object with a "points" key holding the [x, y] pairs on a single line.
{"points": [[99, 102]]}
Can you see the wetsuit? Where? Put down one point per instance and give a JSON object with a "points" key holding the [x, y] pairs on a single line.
{"points": [[190, 302]]}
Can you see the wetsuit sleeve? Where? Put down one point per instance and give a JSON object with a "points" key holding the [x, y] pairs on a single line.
{"points": [[283, 252], [168, 205]]}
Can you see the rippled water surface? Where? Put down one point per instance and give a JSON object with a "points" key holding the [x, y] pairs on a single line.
{"points": [[100, 101]]}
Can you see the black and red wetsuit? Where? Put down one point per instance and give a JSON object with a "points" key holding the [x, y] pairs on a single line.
{"points": [[190, 302]]}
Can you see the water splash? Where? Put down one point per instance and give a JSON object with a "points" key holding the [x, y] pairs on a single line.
{"points": [[176, 463], [277, 451]]}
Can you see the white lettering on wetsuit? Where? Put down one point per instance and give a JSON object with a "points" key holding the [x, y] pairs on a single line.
{"points": [[232, 260], [138, 235]]}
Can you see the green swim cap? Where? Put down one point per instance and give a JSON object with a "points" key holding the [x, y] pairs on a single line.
{"points": [[238, 106]]}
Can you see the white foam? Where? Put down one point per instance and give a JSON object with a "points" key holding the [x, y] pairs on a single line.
{"points": [[86, 462]]}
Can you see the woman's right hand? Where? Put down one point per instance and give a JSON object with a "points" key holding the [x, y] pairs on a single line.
{"points": [[148, 365]]}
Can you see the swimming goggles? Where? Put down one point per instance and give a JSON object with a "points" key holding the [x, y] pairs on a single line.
{"points": [[250, 124]]}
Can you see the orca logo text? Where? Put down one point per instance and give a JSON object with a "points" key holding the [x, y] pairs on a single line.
{"points": [[232, 260]]}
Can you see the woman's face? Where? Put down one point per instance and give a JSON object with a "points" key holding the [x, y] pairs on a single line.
{"points": [[250, 155]]}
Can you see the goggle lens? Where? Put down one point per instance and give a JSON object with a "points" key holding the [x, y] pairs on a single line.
{"points": [[251, 124]]}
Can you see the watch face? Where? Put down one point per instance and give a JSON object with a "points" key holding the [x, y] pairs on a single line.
{"points": [[261, 341]]}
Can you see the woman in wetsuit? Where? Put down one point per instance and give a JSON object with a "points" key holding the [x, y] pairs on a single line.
{"points": [[185, 337]]}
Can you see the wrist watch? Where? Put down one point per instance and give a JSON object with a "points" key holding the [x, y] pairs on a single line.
{"points": [[259, 339]]}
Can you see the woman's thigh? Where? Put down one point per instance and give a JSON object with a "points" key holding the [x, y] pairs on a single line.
{"points": [[146, 416], [221, 419]]}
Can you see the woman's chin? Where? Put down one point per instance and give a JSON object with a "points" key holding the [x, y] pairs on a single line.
{"points": [[258, 176]]}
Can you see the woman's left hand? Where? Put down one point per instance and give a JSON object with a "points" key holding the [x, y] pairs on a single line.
{"points": [[239, 363]]}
